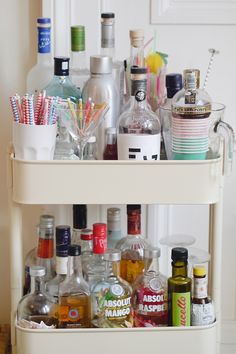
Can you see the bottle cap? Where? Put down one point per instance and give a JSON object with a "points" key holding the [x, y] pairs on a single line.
{"points": [[107, 15], [77, 38], [191, 79], [63, 240], [46, 221], [174, 83], [152, 252], [179, 254], [92, 139], [37, 271], [99, 238], [43, 20], [132, 207], [100, 64], [199, 271], [86, 234], [79, 216], [61, 66], [74, 250], [113, 214], [136, 37], [112, 255], [137, 70]]}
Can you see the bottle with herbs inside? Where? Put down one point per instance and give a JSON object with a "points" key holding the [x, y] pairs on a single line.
{"points": [[202, 308]]}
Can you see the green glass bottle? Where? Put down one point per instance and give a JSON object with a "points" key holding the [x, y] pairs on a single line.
{"points": [[179, 290]]}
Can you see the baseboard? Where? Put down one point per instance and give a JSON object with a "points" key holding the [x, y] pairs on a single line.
{"points": [[228, 332]]}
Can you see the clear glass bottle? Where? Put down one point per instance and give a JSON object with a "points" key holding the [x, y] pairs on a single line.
{"points": [[95, 270], [150, 298], [111, 297], [74, 296], [86, 242], [139, 128], [110, 152], [202, 308], [41, 73], [132, 246], [79, 71], [179, 289], [108, 48], [43, 253], [79, 221], [137, 48], [36, 307], [113, 226], [101, 88], [90, 150], [63, 240]]}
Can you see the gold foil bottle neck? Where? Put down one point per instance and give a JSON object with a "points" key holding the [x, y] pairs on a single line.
{"points": [[191, 79]]}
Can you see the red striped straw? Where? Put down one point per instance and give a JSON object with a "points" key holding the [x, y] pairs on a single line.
{"points": [[38, 108], [25, 104], [44, 115]]}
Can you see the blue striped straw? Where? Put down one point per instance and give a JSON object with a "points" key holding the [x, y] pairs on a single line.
{"points": [[31, 109], [15, 111]]}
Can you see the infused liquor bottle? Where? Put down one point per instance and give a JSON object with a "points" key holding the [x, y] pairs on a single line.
{"points": [[132, 246], [74, 295], [202, 309], [86, 242], [150, 299], [113, 226], [179, 290], [110, 152], [139, 128], [79, 221], [111, 298]]}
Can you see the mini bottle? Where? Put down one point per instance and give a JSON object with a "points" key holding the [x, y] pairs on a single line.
{"points": [[110, 152], [90, 150], [179, 290], [79, 71], [150, 299], [79, 221], [137, 48], [113, 226], [202, 309], [139, 128], [74, 295], [35, 309], [132, 246], [41, 74], [86, 242], [101, 88], [111, 297]]}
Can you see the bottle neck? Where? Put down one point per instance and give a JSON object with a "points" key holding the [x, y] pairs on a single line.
{"points": [[45, 243], [61, 265], [37, 285], [78, 60], [152, 265], [138, 92], [200, 287], [112, 268], [137, 55], [110, 52], [44, 59], [74, 266], [134, 223], [179, 268]]}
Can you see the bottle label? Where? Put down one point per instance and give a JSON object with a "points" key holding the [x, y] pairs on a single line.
{"points": [[107, 36], [117, 309], [202, 314], [138, 146], [149, 301], [44, 40], [200, 288], [181, 303]]}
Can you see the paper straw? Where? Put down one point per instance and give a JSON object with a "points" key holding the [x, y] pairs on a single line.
{"points": [[14, 108]]}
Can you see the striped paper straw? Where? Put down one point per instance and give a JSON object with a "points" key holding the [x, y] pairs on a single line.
{"points": [[16, 114], [31, 109], [38, 108], [25, 108]]}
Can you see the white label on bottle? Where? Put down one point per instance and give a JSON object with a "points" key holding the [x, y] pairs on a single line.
{"points": [[61, 265], [200, 288], [138, 146], [202, 314], [65, 65]]}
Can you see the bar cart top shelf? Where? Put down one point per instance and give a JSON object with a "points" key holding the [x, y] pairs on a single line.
{"points": [[116, 182]]}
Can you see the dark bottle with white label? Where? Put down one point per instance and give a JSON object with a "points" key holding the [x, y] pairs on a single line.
{"points": [[139, 128]]}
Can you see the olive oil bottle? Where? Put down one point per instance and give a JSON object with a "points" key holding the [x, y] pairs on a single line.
{"points": [[179, 289]]}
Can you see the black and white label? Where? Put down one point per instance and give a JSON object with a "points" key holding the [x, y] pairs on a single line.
{"points": [[138, 147]]}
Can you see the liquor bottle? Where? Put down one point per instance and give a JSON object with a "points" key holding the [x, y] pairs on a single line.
{"points": [[108, 48], [86, 243], [137, 48], [113, 227], [139, 128], [43, 254], [74, 296], [63, 240], [132, 246], [150, 298], [40, 75], [111, 297], [110, 152], [173, 85], [90, 150], [202, 309], [79, 71], [179, 290], [101, 87], [95, 269], [79, 221], [36, 307]]}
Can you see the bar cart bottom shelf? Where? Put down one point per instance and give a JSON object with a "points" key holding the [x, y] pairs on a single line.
{"points": [[166, 340]]}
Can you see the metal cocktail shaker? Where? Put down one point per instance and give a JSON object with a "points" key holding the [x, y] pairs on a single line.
{"points": [[101, 87]]}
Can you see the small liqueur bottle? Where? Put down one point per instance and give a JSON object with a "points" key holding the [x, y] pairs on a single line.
{"points": [[41, 74], [113, 226], [36, 307], [79, 71], [179, 290], [86, 242], [111, 298], [63, 240], [132, 246], [110, 152], [74, 295], [90, 150], [139, 128], [150, 299], [79, 221], [202, 309], [137, 48], [95, 269]]}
